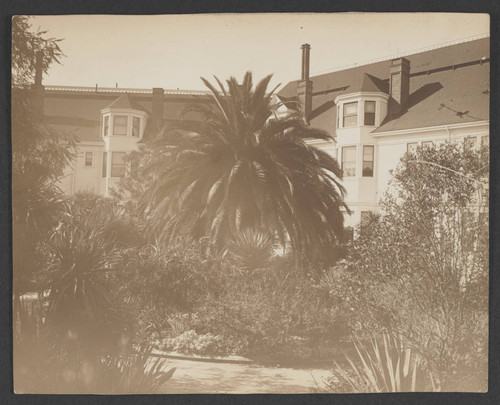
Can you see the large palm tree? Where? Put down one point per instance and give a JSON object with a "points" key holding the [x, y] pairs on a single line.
{"points": [[245, 167]]}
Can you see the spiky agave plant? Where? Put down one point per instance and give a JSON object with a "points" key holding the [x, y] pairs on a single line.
{"points": [[244, 167], [391, 367]]}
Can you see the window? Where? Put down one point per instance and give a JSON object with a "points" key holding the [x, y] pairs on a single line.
{"points": [[412, 147], [369, 112], [338, 116], [118, 164], [349, 161], [120, 125], [470, 142], [104, 163], [368, 160], [106, 126], [136, 126], [426, 144], [88, 159], [350, 114]]}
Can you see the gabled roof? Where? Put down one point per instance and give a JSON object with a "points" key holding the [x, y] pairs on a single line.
{"points": [[126, 102], [456, 76]]}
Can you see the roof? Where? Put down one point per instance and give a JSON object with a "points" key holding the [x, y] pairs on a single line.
{"points": [[447, 85], [125, 102], [78, 109], [368, 83]]}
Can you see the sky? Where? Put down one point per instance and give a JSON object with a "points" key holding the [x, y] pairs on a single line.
{"points": [[174, 51]]}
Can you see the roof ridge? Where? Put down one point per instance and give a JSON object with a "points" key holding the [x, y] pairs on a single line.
{"points": [[398, 55], [121, 90]]}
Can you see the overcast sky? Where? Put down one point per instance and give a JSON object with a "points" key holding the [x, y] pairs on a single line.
{"points": [[173, 51]]}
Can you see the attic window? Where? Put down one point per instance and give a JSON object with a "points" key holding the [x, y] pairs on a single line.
{"points": [[350, 114]]}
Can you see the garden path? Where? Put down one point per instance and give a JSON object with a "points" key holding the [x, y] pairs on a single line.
{"points": [[193, 377]]}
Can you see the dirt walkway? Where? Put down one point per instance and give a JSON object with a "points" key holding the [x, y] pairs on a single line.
{"points": [[192, 377]]}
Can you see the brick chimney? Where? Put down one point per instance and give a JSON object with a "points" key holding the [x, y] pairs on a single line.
{"points": [[38, 90], [157, 109], [399, 84], [304, 90]]}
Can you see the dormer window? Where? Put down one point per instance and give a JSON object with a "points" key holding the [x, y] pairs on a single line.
{"points": [[124, 117], [350, 114], [369, 112], [120, 123]]}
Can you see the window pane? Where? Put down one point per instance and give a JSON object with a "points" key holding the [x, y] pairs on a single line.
{"points": [[88, 159], [350, 114], [370, 106], [349, 161], [369, 112], [368, 156], [118, 164], [136, 125], [368, 153], [106, 125], [412, 147], [104, 163], [120, 125]]}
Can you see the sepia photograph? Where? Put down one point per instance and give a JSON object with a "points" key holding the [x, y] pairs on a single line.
{"points": [[266, 203]]}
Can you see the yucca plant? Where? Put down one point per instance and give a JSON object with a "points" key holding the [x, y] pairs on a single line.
{"points": [[387, 367], [252, 249], [133, 373]]}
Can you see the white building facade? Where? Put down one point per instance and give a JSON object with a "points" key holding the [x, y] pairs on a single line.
{"points": [[378, 112]]}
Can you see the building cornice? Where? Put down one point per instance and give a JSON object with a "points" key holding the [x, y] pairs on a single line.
{"points": [[116, 90], [447, 127], [360, 94]]}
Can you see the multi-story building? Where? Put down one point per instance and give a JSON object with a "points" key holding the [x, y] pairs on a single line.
{"points": [[375, 113], [108, 123], [378, 111]]}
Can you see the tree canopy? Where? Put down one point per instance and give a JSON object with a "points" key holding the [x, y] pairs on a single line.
{"points": [[245, 167]]}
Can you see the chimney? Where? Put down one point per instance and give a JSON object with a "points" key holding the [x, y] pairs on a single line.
{"points": [[399, 84], [157, 109], [304, 90], [38, 88]]}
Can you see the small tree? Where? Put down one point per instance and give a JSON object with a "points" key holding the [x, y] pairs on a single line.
{"points": [[422, 269], [39, 153]]}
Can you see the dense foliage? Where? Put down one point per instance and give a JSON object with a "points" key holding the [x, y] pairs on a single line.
{"points": [[421, 269], [39, 154]]}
